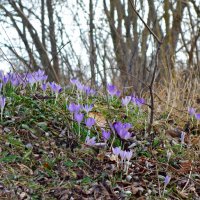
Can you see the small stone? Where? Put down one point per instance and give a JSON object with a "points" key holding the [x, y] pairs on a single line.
{"points": [[128, 178], [136, 178], [6, 130], [23, 195], [127, 192], [29, 146], [133, 145], [47, 134], [149, 191], [7, 144]]}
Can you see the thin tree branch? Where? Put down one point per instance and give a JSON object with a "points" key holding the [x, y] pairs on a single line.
{"points": [[154, 35]]}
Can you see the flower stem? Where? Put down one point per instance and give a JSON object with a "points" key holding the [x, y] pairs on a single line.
{"points": [[79, 130]]}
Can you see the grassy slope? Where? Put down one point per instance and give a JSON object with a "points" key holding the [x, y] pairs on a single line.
{"points": [[41, 156]]}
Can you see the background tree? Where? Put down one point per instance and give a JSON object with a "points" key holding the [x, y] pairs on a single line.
{"points": [[106, 38]]}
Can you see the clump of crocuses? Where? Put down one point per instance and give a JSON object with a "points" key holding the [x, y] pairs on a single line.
{"points": [[125, 157], [123, 130]]}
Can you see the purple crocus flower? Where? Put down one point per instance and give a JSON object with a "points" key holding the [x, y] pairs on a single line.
{"points": [[44, 87], [74, 81], [111, 89], [140, 102], [126, 100], [74, 108], [1, 86], [40, 72], [31, 79], [90, 141], [137, 101], [90, 122], [129, 155], [55, 87], [78, 117], [80, 86], [40, 75], [182, 137], [116, 150], [167, 180], [44, 78], [2, 102], [127, 126], [14, 80], [87, 108], [123, 155], [124, 134], [118, 93], [122, 130], [5, 79], [126, 155], [2, 105], [89, 91], [191, 111], [197, 116], [1, 74], [117, 126], [105, 134]]}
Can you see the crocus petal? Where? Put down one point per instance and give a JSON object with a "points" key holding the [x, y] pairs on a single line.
{"points": [[191, 111], [116, 150], [126, 100], [197, 116], [167, 180], [105, 134], [111, 89], [78, 117], [2, 102], [129, 155], [90, 141], [90, 122]]}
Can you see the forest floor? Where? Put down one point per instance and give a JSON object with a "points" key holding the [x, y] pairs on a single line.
{"points": [[42, 155]]}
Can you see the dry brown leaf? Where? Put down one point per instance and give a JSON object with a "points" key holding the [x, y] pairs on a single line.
{"points": [[176, 135], [173, 133], [101, 156], [195, 141]]}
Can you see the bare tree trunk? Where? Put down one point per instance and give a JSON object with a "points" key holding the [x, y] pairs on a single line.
{"points": [[39, 46], [52, 35], [43, 22], [92, 47]]}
